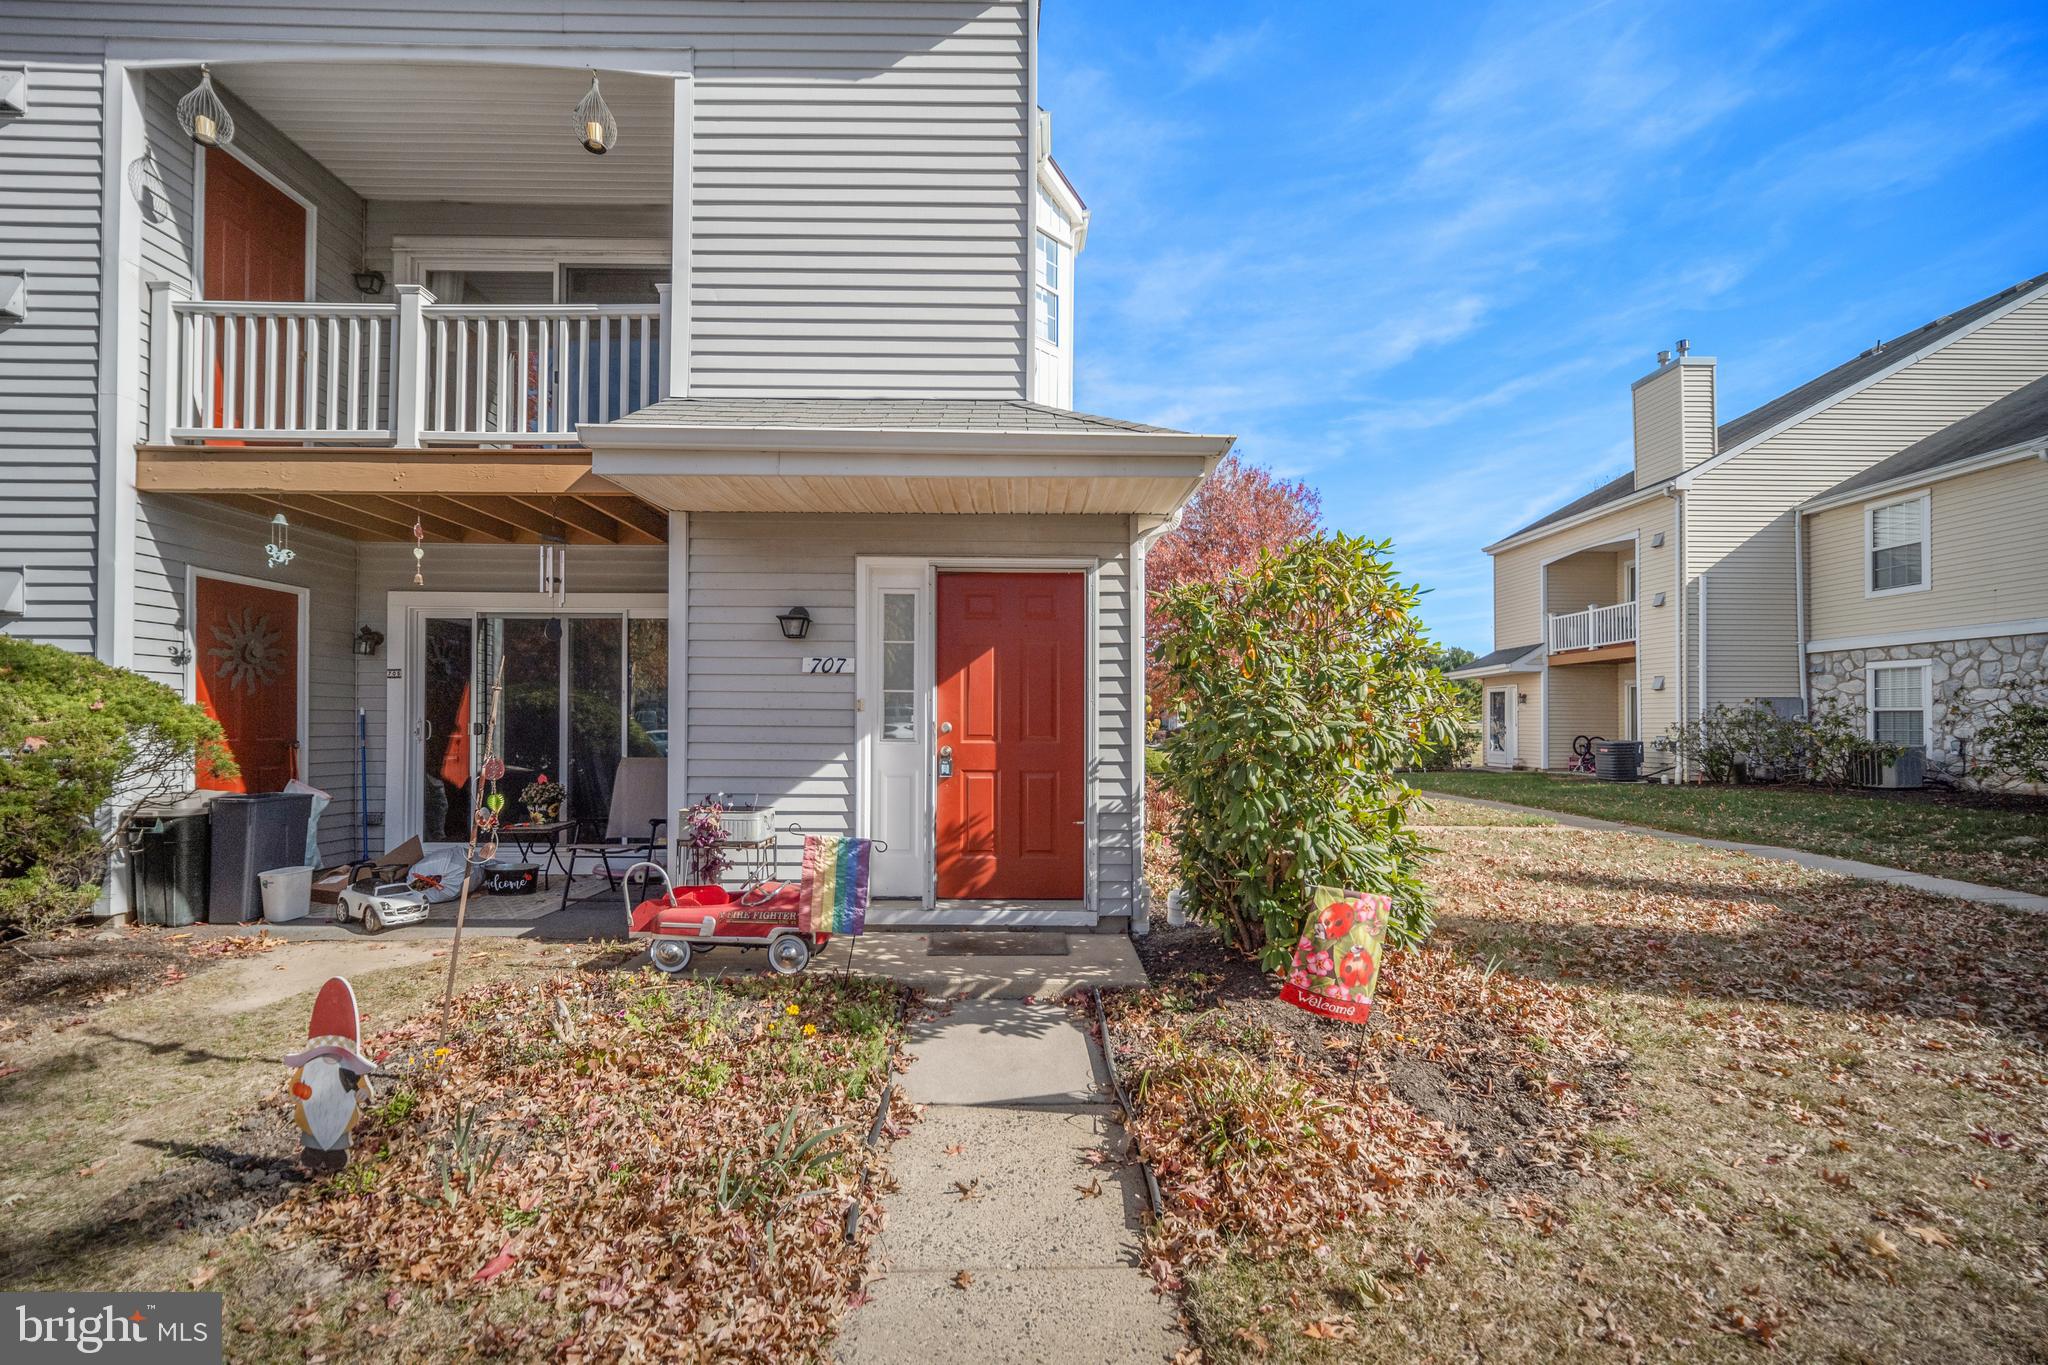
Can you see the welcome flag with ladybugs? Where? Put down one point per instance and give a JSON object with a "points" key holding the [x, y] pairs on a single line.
{"points": [[1338, 958]]}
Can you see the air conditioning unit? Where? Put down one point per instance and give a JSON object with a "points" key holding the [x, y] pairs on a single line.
{"points": [[1908, 770]]}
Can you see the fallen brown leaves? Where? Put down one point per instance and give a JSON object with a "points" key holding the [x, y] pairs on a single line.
{"points": [[636, 1184], [1258, 1147]]}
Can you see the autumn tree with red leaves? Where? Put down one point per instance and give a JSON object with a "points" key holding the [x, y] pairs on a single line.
{"points": [[1239, 511]]}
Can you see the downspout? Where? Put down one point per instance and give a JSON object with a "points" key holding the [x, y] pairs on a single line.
{"points": [[1677, 497], [1799, 606], [1141, 544]]}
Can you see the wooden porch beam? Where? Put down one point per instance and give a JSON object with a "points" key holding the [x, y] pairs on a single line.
{"points": [[580, 515], [377, 470], [386, 520], [514, 511], [469, 514], [1604, 654], [629, 511], [267, 507]]}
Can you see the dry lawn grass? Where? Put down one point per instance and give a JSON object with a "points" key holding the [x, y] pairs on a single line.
{"points": [[1833, 1146]]}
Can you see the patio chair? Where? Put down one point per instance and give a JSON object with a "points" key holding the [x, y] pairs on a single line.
{"points": [[637, 815]]}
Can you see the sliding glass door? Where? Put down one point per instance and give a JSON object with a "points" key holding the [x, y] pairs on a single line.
{"points": [[579, 692]]}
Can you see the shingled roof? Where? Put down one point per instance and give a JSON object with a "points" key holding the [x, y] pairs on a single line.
{"points": [[2014, 420], [1849, 375]]}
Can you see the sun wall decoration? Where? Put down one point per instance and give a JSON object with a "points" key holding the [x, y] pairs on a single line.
{"points": [[249, 655]]}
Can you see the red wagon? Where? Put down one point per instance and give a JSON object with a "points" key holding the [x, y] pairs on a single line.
{"points": [[691, 919]]}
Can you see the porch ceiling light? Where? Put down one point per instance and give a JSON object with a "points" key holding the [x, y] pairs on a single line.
{"points": [[796, 623], [204, 117], [594, 122]]}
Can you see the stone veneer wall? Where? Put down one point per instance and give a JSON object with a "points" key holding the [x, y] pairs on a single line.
{"points": [[1966, 676]]}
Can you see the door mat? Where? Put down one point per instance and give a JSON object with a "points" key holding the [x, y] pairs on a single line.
{"points": [[988, 943]]}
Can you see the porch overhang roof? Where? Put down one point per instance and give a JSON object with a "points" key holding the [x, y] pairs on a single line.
{"points": [[1513, 659], [904, 456]]}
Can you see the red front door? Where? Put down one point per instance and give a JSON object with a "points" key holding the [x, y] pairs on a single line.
{"points": [[1012, 659], [255, 250], [245, 672]]}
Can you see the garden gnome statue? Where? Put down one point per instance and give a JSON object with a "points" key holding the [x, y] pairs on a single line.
{"points": [[1337, 961], [330, 1078]]}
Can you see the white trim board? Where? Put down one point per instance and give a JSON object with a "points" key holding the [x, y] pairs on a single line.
{"points": [[1535, 533], [304, 701], [1929, 635], [413, 256]]}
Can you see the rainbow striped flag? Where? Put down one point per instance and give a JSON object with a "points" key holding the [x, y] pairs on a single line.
{"points": [[834, 897]]}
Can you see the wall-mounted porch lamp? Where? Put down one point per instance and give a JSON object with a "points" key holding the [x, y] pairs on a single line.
{"points": [[204, 117], [796, 623], [594, 122], [369, 281], [368, 641]]}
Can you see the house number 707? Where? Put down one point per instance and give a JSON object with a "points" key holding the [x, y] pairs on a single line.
{"points": [[830, 663]]}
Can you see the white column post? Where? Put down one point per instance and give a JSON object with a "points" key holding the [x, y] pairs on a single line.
{"points": [[166, 359], [675, 319], [409, 365], [678, 685], [668, 340]]}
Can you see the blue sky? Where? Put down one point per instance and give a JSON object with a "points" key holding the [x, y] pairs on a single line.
{"points": [[1415, 254]]}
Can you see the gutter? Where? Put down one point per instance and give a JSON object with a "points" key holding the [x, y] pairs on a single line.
{"points": [[655, 438]]}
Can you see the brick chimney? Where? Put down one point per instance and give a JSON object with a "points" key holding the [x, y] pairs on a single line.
{"points": [[1674, 415]]}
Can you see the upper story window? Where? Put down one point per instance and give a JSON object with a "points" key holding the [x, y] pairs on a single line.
{"points": [[1895, 546], [1048, 288]]}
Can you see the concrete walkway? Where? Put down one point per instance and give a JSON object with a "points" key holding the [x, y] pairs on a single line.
{"points": [[995, 1248], [1820, 862]]}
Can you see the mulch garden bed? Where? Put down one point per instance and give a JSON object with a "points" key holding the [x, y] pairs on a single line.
{"points": [[611, 1166], [1269, 1127]]}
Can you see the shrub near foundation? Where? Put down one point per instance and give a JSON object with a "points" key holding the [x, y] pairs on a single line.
{"points": [[81, 742], [1304, 683]]}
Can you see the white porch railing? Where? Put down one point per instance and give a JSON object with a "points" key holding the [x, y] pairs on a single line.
{"points": [[406, 373], [1593, 628]]}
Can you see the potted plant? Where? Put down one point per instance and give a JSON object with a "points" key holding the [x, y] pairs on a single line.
{"points": [[543, 800]]}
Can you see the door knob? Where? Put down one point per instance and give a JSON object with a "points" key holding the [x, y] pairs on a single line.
{"points": [[945, 751], [945, 727]]}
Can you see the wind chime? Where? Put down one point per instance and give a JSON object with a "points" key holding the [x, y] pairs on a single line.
{"points": [[279, 551], [419, 551]]}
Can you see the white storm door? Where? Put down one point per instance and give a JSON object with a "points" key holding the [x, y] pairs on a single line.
{"points": [[1500, 727], [893, 682]]}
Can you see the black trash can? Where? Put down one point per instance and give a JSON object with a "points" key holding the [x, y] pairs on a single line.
{"points": [[253, 834], [1618, 760], [171, 853]]}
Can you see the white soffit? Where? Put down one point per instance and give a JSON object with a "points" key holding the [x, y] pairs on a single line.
{"points": [[465, 132]]}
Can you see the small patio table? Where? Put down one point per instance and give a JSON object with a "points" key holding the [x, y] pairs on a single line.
{"points": [[549, 835]]}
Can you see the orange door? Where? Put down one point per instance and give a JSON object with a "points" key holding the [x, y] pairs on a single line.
{"points": [[245, 671], [255, 250], [1012, 658]]}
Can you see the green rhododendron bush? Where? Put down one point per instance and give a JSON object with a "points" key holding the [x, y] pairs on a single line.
{"points": [[80, 743], [1302, 683]]}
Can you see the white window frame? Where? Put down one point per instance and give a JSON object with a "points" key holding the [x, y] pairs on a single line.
{"points": [[1925, 669], [1057, 290], [1870, 510]]}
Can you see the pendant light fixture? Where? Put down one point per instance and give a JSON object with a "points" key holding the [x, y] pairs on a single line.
{"points": [[204, 117], [594, 122], [280, 549]]}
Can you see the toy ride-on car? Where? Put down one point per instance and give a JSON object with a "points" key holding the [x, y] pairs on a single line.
{"points": [[691, 919], [384, 906]]}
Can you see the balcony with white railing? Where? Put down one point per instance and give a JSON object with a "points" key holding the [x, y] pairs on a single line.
{"points": [[1593, 628], [407, 373]]}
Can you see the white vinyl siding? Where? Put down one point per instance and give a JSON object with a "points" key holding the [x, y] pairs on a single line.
{"points": [[1739, 514], [50, 230], [753, 730], [1899, 704], [1895, 546], [1987, 560]]}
